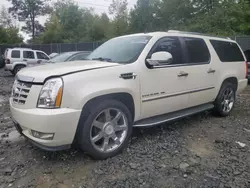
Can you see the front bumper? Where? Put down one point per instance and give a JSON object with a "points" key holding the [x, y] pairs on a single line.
{"points": [[47, 148], [62, 122]]}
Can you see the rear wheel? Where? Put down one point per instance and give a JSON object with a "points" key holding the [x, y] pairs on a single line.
{"points": [[225, 101], [17, 69], [107, 129]]}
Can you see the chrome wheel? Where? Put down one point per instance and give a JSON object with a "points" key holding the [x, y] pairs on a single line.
{"points": [[228, 100], [109, 130]]}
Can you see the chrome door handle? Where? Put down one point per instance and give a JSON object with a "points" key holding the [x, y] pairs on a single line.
{"points": [[183, 74], [211, 71]]}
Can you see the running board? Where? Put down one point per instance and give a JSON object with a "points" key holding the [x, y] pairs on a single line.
{"points": [[172, 116]]}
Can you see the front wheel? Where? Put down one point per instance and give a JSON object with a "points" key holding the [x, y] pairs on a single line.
{"points": [[107, 129], [225, 101]]}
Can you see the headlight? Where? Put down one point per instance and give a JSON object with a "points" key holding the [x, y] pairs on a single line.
{"points": [[51, 94]]}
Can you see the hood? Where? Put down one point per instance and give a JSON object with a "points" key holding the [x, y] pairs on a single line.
{"points": [[38, 74]]}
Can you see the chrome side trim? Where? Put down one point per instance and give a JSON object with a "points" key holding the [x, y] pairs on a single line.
{"points": [[177, 94], [24, 78]]}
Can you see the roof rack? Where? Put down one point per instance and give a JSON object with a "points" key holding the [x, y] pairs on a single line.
{"points": [[196, 33]]}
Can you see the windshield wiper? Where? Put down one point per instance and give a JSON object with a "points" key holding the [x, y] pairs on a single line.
{"points": [[103, 59]]}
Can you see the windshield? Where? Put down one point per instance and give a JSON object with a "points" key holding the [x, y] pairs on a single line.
{"points": [[62, 57], [120, 50]]}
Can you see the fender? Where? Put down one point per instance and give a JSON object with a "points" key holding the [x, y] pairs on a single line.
{"points": [[77, 93]]}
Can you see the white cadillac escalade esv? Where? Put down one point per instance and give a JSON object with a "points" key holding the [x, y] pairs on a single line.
{"points": [[130, 81]]}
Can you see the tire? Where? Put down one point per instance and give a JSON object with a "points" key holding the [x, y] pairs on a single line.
{"points": [[95, 130], [18, 68], [225, 100]]}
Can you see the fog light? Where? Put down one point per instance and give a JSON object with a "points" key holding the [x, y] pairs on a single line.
{"points": [[44, 136]]}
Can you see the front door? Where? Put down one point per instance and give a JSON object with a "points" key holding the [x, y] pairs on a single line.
{"points": [[164, 89]]}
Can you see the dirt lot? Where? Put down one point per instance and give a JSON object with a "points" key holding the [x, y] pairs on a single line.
{"points": [[199, 151]]}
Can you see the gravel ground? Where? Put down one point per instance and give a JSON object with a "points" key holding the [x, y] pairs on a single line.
{"points": [[199, 151]]}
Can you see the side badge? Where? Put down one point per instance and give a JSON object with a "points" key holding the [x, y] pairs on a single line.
{"points": [[127, 76]]}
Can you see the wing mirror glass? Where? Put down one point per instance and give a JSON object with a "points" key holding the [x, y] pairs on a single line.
{"points": [[160, 58]]}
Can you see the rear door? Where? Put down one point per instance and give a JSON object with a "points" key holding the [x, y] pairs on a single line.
{"points": [[202, 71], [29, 57]]}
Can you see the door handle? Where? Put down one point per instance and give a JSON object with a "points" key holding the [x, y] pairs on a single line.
{"points": [[183, 74], [25, 60], [211, 71]]}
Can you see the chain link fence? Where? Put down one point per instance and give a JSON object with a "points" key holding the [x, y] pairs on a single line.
{"points": [[57, 48], [244, 42]]}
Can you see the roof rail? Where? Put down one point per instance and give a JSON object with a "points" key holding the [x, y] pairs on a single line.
{"points": [[195, 33], [22, 48]]}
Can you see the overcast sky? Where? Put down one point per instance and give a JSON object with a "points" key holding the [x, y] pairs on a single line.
{"points": [[100, 6]]}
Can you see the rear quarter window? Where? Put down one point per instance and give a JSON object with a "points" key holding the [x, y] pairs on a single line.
{"points": [[15, 54], [227, 51]]}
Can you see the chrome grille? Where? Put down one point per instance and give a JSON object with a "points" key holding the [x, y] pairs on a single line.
{"points": [[20, 92]]}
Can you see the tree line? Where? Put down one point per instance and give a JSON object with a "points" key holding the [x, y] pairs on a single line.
{"points": [[68, 22]]}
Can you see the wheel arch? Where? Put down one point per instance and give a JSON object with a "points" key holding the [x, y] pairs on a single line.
{"points": [[123, 97], [232, 80], [17, 64]]}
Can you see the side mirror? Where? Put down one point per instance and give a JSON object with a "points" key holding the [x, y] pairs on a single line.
{"points": [[160, 58]]}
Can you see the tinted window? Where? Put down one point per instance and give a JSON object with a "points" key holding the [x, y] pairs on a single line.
{"points": [[197, 50], [15, 54], [41, 55], [28, 54], [227, 51], [171, 45]]}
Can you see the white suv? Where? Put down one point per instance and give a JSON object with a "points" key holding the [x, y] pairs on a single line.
{"points": [[131, 81], [18, 58]]}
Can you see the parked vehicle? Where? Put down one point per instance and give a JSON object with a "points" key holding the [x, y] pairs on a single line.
{"points": [[131, 81], [53, 55], [69, 56], [18, 58], [247, 54]]}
